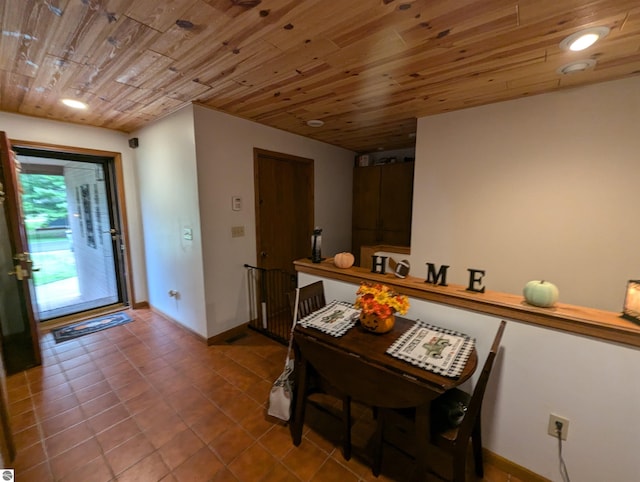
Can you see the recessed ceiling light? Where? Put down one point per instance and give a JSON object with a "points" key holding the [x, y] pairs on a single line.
{"points": [[584, 38], [577, 66], [315, 123], [75, 104]]}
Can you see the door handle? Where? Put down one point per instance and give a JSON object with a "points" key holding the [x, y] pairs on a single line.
{"points": [[263, 254], [19, 273]]}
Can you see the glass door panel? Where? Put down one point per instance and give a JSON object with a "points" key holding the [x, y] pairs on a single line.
{"points": [[73, 244]]}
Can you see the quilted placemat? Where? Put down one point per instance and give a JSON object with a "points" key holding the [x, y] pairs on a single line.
{"points": [[334, 319], [433, 348]]}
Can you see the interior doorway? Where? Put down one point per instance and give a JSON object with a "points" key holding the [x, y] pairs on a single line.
{"points": [[284, 193], [73, 225]]}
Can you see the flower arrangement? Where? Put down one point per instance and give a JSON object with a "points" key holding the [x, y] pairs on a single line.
{"points": [[380, 300]]}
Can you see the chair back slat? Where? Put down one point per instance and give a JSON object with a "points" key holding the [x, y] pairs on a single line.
{"points": [[311, 298], [475, 404]]}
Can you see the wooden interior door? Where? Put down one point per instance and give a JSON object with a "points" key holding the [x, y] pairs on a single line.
{"points": [[19, 330], [284, 225], [284, 209]]}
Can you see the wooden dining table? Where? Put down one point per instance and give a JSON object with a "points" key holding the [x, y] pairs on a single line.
{"points": [[357, 365]]}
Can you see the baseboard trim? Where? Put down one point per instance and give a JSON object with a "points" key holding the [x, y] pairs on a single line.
{"points": [[512, 468], [140, 305], [223, 338]]}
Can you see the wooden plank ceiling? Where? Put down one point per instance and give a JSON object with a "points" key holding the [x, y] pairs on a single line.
{"points": [[367, 68]]}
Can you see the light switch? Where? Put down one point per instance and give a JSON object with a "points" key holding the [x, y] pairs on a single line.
{"points": [[187, 233], [236, 203], [237, 231]]}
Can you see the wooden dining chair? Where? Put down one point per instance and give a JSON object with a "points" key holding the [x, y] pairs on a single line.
{"points": [[311, 298], [455, 420]]}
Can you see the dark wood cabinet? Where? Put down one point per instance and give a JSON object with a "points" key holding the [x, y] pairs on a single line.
{"points": [[382, 205]]}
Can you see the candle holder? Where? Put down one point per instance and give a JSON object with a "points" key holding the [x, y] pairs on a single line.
{"points": [[631, 308]]}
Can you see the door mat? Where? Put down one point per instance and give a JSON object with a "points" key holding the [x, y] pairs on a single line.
{"points": [[93, 325]]}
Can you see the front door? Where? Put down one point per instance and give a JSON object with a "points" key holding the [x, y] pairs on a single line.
{"points": [[70, 205], [284, 225], [18, 328]]}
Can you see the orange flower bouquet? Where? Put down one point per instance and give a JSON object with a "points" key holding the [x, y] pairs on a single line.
{"points": [[379, 303]]}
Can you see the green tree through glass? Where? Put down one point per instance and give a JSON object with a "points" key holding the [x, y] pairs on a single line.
{"points": [[44, 198]]}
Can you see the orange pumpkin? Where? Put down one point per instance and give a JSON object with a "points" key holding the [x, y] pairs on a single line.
{"points": [[343, 260], [376, 324]]}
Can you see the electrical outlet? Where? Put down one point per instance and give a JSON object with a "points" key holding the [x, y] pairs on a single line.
{"points": [[553, 418]]}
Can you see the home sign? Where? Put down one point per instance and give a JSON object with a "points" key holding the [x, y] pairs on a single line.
{"points": [[434, 276]]}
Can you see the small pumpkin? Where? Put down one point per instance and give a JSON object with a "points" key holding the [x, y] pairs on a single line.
{"points": [[376, 324], [343, 260], [541, 293]]}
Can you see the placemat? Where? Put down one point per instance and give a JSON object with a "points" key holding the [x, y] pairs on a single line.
{"points": [[334, 319], [433, 348]]}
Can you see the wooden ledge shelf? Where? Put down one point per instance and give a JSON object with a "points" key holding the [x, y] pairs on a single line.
{"points": [[599, 324]]}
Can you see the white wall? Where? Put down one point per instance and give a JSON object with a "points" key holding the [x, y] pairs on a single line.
{"points": [[540, 371], [538, 188], [167, 170], [224, 146], [34, 129]]}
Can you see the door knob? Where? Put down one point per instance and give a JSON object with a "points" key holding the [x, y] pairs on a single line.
{"points": [[263, 254]]}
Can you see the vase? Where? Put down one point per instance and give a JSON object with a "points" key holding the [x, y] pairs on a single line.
{"points": [[376, 324]]}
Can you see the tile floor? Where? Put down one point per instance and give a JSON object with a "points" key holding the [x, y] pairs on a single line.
{"points": [[147, 402]]}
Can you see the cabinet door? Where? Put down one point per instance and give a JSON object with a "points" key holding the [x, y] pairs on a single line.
{"points": [[362, 237], [366, 197], [396, 200]]}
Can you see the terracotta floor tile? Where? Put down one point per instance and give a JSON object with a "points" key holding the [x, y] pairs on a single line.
{"points": [[260, 391], [17, 380], [201, 466], [50, 382], [305, 460], [38, 473], [21, 406], [66, 439], [241, 407], [149, 365], [23, 420], [86, 380], [100, 404], [280, 473], [53, 393], [253, 463], [114, 368], [63, 421], [149, 469], [129, 453], [96, 470], [29, 457], [73, 359], [117, 434], [182, 446], [68, 461], [152, 413], [332, 471], [163, 430], [81, 370], [277, 440], [211, 425], [110, 370], [108, 418], [146, 400], [131, 390], [91, 392], [231, 443], [51, 408], [26, 438], [125, 378]]}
